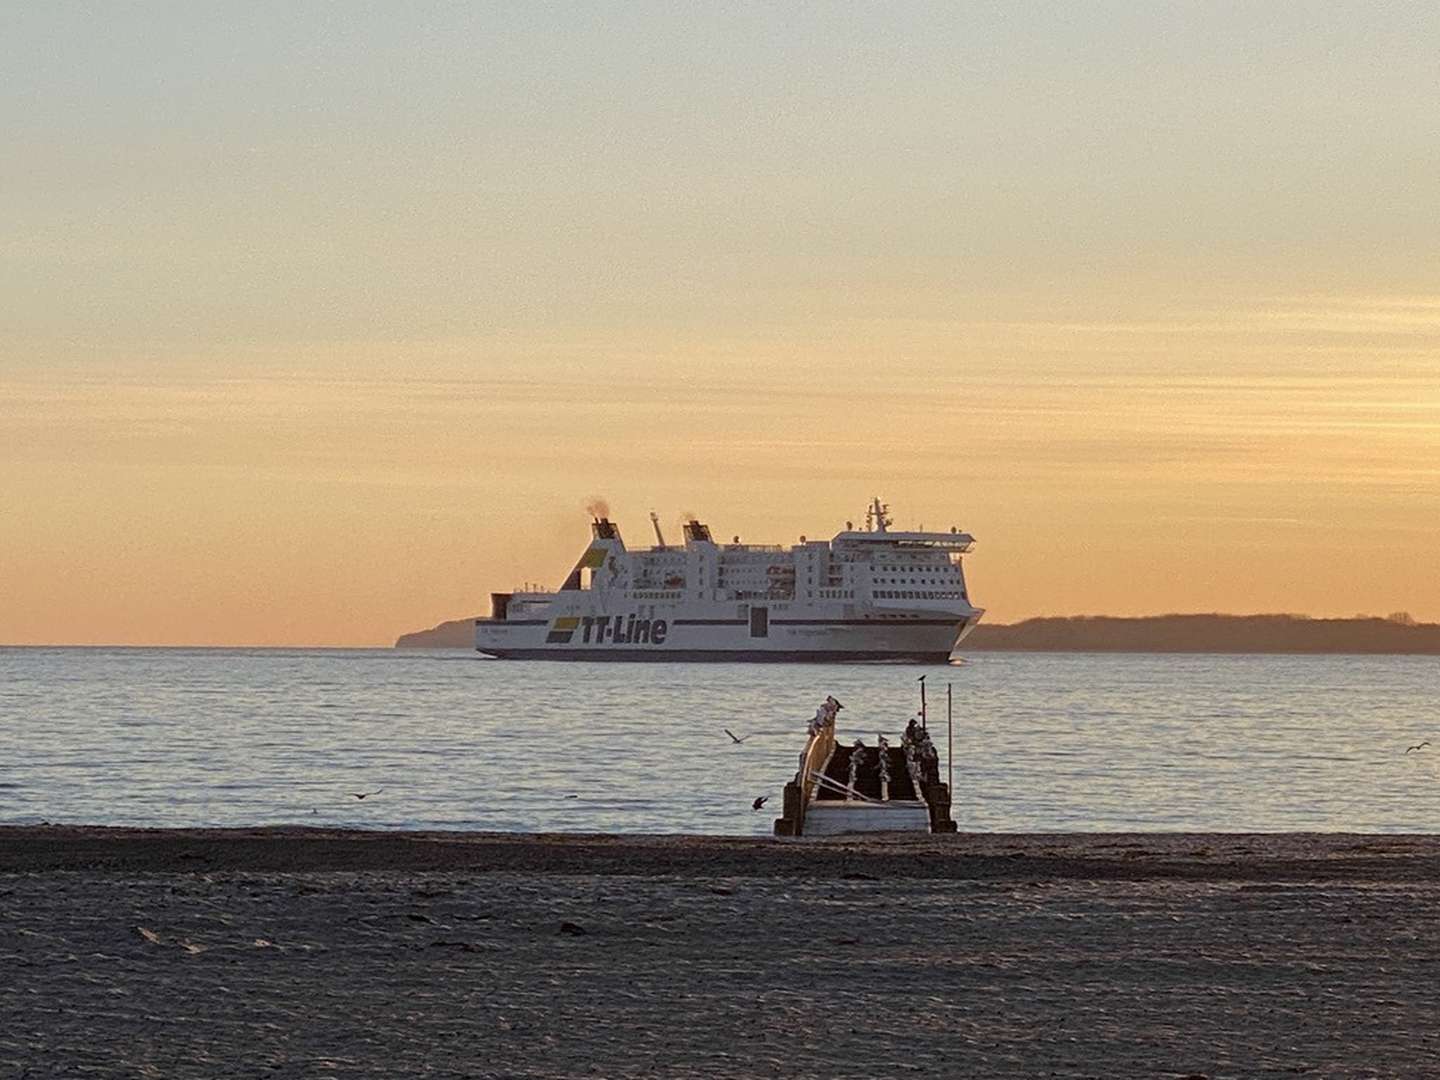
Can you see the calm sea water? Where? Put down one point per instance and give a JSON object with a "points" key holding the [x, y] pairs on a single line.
{"points": [[1042, 741]]}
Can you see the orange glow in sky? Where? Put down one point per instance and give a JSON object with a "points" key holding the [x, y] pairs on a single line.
{"points": [[319, 329]]}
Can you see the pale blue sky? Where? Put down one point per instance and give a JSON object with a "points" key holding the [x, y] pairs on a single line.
{"points": [[283, 172]]}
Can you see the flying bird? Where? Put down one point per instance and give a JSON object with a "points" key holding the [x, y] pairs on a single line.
{"points": [[1417, 746], [736, 739], [759, 804], [366, 794]]}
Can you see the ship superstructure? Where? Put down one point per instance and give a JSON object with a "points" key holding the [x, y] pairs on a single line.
{"points": [[865, 594]]}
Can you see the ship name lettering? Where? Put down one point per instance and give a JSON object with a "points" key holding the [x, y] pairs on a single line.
{"points": [[622, 630]]}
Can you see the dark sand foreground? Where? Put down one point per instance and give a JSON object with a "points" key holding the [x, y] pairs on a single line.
{"points": [[308, 953]]}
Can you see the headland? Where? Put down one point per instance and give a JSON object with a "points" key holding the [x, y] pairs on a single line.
{"points": [[1210, 633]]}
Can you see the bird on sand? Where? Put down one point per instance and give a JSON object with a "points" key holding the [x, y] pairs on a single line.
{"points": [[736, 739], [366, 794], [1417, 746], [759, 804]]}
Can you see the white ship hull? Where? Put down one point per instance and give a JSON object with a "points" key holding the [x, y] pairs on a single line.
{"points": [[862, 595], [926, 639]]}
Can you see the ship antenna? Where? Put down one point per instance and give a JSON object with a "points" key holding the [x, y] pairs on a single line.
{"points": [[659, 536], [877, 517]]}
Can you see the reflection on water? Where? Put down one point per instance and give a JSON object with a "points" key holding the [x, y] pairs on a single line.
{"points": [[1043, 741]]}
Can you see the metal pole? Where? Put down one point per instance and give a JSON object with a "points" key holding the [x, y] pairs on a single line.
{"points": [[950, 740], [921, 680]]}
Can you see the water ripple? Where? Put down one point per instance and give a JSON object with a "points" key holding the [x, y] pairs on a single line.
{"points": [[1043, 741]]}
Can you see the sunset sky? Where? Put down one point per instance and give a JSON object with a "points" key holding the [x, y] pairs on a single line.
{"points": [[320, 321]]}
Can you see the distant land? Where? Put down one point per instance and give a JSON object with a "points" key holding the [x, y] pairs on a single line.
{"points": [[1397, 634]]}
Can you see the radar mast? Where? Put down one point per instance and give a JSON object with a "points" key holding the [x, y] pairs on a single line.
{"points": [[877, 516]]}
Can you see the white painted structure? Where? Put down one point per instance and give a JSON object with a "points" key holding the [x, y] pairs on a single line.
{"points": [[871, 594], [838, 818]]}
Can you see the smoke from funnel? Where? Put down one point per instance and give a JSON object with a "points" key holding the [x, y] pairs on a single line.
{"points": [[597, 507], [688, 516]]}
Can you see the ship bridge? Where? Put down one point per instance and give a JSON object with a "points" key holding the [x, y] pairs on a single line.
{"points": [[954, 540]]}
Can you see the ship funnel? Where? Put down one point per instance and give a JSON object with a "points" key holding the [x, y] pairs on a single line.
{"points": [[604, 529], [696, 533]]}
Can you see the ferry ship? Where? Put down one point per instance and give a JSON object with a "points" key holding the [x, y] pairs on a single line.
{"points": [[865, 594]]}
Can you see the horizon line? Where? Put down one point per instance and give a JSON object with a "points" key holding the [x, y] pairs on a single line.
{"points": [[1412, 623]]}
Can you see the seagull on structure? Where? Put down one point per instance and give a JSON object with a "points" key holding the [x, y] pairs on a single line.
{"points": [[366, 794], [759, 804], [1417, 746], [736, 739]]}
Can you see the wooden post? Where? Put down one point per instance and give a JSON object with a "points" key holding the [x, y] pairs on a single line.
{"points": [[950, 737], [921, 680]]}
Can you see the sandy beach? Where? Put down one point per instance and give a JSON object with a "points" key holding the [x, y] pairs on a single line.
{"points": [[309, 953]]}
